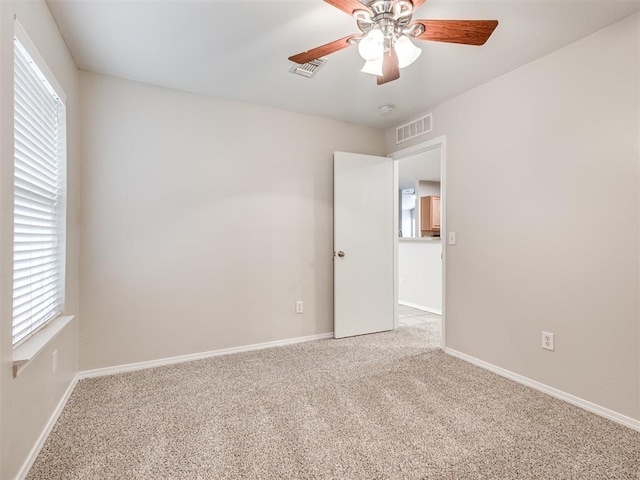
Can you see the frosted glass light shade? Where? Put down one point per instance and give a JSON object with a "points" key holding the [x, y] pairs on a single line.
{"points": [[371, 47], [373, 67], [407, 52]]}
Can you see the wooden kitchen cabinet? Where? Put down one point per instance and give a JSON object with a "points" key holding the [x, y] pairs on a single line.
{"points": [[430, 216]]}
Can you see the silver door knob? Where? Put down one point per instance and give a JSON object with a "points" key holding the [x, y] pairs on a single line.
{"points": [[341, 254]]}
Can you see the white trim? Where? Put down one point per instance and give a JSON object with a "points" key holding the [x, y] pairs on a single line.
{"points": [[421, 307], [554, 392], [437, 142], [130, 367], [32, 346], [20, 32], [35, 451], [419, 148], [396, 229], [99, 372]]}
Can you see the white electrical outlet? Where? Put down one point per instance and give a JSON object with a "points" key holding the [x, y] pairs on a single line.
{"points": [[299, 306], [452, 238], [547, 341], [54, 365], [401, 281]]}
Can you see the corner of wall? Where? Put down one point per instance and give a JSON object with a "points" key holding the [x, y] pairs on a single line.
{"points": [[25, 416]]}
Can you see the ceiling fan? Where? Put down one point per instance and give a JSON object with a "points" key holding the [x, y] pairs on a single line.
{"points": [[387, 30]]}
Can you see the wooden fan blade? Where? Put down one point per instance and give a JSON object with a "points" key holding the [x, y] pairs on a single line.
{"points": [[390, 68], [347, 6], [417, 3], [468, 32], [321, 51]]}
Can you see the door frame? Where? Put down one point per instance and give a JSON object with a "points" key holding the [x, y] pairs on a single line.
{"points": [[438, 142]]}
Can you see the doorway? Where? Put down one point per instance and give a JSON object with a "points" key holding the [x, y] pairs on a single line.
{"points": [[420, 250]]}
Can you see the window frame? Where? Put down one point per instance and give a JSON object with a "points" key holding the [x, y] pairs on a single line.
{"points": [[43, 73]]}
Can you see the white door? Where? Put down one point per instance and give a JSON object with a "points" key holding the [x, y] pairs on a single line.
{"points": [[363, 202]]}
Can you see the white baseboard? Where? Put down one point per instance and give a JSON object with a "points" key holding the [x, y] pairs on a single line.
{"points": [[130, 367], [421, 307], [31, 458], [554, 392], [98, 372]]}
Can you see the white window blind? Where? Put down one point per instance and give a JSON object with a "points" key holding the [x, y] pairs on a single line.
{"points": [[39, 191]]}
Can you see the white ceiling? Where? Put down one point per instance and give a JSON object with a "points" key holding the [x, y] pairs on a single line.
{"points": [[238, 49], [422, 166]]}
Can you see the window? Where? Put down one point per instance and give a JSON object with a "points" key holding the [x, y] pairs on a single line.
{"points": [[39, 192]]}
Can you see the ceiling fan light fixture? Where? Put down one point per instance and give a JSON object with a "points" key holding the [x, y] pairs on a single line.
{"points": [[401, 9], [371, 47], [373, 67], [407, 52], [386, 34]]}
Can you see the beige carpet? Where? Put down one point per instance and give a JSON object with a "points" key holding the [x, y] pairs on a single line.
{"points": [[384, 406]]}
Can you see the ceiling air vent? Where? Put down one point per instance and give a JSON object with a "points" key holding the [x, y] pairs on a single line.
{"points": [[308, 69], [414, 128]]}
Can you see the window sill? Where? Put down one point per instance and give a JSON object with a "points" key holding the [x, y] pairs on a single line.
{"points": [[30, 349]]}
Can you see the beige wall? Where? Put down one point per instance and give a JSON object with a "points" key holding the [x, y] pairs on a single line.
{"points": [[27, 402], [203, 221], [542, 190]]}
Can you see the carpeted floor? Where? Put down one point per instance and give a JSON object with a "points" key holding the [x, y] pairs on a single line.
{"points": [[383, 406]]}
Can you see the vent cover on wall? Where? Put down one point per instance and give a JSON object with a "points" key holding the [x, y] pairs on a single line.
{"points": [[308, 69], [414, 128]]}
